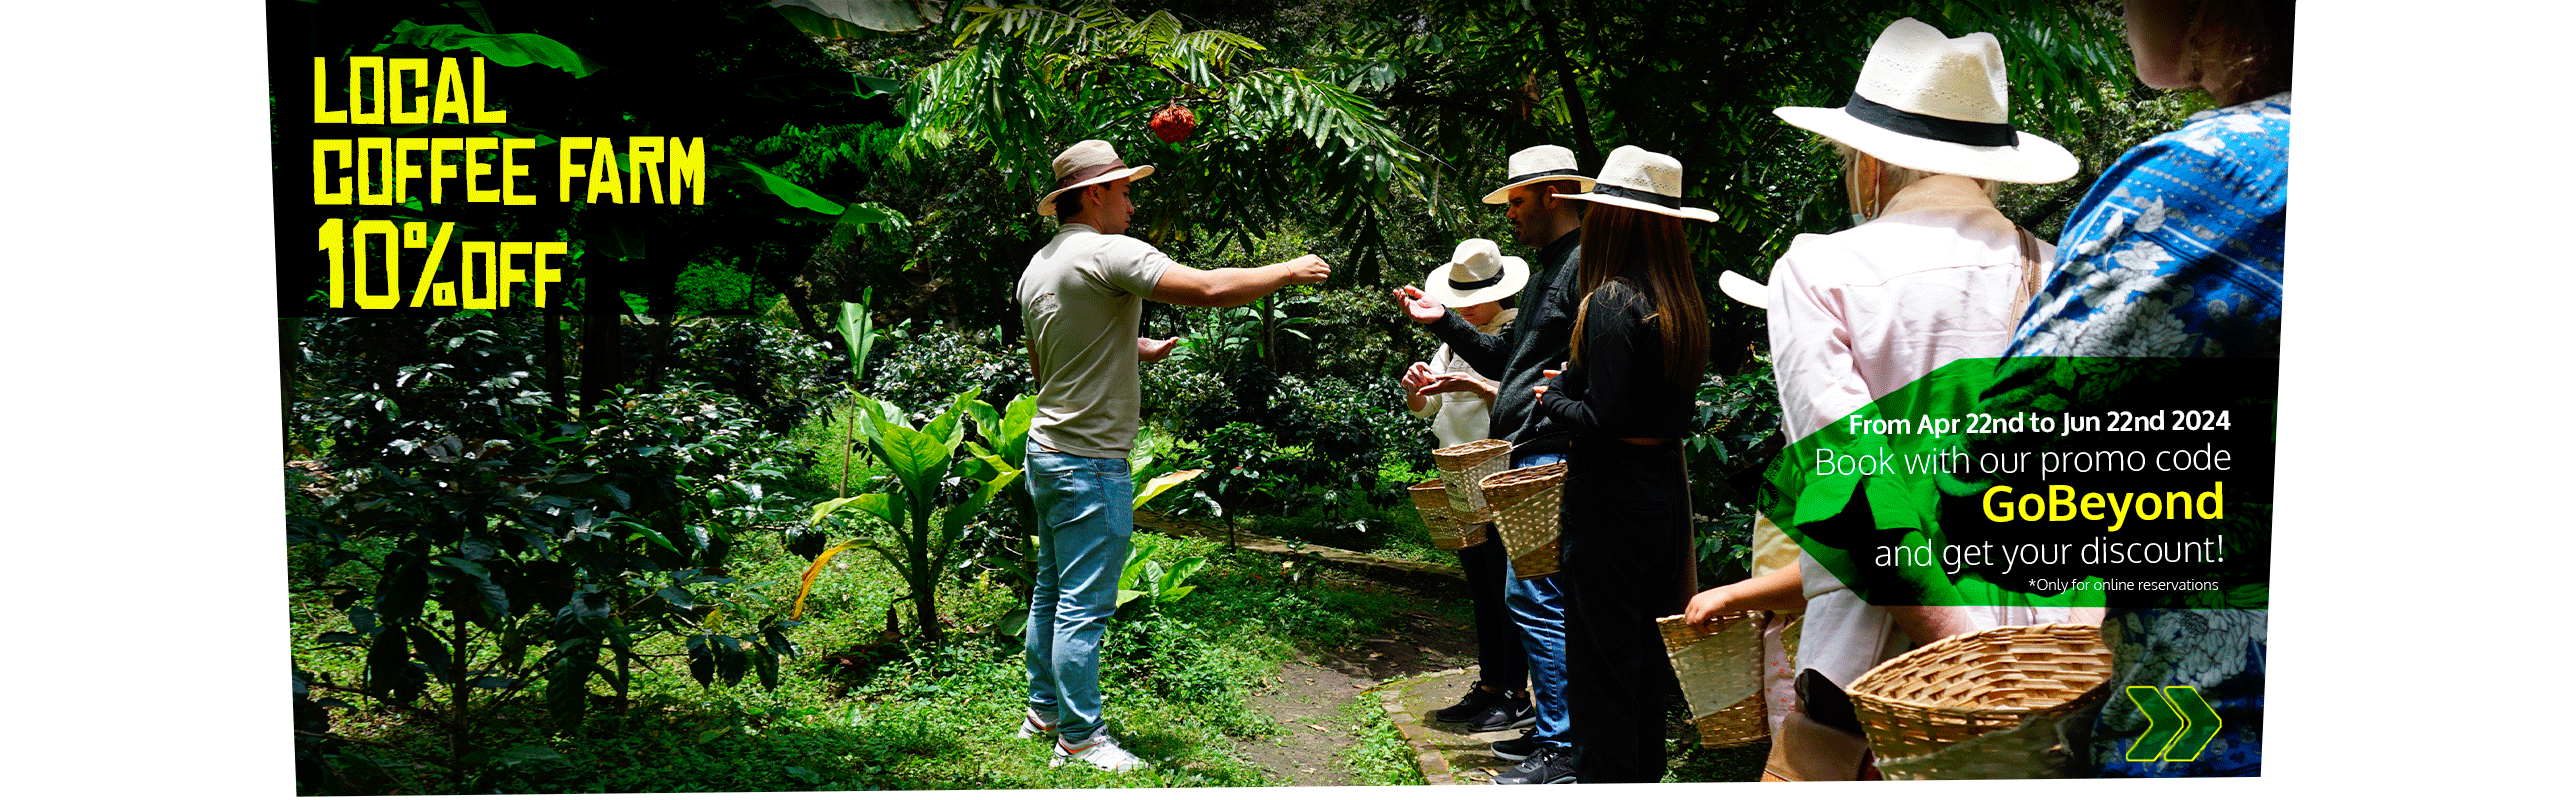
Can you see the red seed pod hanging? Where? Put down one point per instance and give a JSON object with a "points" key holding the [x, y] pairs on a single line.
{"points": [[1172, 123]]}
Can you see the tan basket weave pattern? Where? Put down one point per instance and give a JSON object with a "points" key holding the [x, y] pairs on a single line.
{"points": [[2034, 749], [1525, 503], [1961, 687], [1719, 673], [1451, 529], [1466, 466]]}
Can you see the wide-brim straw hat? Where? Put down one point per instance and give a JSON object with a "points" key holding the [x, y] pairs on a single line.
{"points": [[1749, 292], [1087, 163], [1477, 273], [1540, 164], [1642, 180], [1935, 104]]}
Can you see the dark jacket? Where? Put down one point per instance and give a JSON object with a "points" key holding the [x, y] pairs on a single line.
{"points": [[1537, 340]]}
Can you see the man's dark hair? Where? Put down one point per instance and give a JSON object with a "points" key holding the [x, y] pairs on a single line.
{"points": [[1071, 201]]}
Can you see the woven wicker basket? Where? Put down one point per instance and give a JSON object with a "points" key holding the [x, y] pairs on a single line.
{"points": [[1525, 503], [1962, 687], [1719, 673], [1466, 466], [1451, 529]]}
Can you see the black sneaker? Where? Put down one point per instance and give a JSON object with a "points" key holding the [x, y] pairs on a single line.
{"points": [[1518, 749], [1548, 765], [1505, 714], [1478, 699]]}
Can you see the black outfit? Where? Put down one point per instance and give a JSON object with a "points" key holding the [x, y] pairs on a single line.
{"points": [[1627, 550], [1501, 661], [1535, 342]]}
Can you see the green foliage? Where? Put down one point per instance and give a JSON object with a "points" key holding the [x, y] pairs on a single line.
{"points": [[921, 364], [1738, 419], [854, 325], [923, 527], [510, 50], [482, 544], [915, 716], [1146, 583], [782, 374], [856, 18], [1379, 757], [1026, 81]]}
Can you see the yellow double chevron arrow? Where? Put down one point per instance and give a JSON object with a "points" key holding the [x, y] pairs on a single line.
{"points": [[2196, 723]]}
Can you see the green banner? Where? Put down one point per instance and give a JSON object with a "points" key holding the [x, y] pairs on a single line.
{"points": [[2126, 482]]}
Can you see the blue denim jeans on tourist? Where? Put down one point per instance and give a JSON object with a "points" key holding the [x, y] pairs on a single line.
{"points": [[1538, 605], [1085, 514]]}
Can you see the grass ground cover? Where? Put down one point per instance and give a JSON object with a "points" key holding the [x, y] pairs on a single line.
{"points": [[859, 709]]}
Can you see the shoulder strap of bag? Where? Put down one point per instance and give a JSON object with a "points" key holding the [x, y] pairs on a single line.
{"points": [[2030, 275]]}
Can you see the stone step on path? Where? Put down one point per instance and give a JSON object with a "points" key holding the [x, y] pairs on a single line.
{"points": [[1446, 752], [1374, 566]]}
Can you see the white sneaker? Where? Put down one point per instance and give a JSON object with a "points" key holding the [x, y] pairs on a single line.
{"points": [[1034, 727], [1100, 750]]}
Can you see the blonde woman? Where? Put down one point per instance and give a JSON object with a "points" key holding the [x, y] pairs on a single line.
{"points": [[1931, 273]]}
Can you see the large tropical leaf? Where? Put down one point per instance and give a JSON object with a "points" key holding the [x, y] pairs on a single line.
{"points": [[918, 459], [853, 322], [508, 49], [885, 16], [1158, 485], [946, 429], [809, 577], [1013, 439], [763, 180]]}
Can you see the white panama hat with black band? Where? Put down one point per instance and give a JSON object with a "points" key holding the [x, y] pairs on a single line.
{"points": [[1087, 163], [1743, 290], [1935, 104], [1477, 273], [1642, 180], [1540, 164]]}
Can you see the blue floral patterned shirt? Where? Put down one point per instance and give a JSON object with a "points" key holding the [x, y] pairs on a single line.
{"points": [[2179, 248], [2178, 251]]}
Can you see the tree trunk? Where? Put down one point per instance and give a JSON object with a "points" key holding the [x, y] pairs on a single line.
{"points": [[289, 363], [600, 340], [1562, 63], [555, 365], [460, 732], [921, 576]]}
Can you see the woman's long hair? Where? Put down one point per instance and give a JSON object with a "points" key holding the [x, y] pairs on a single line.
{"points": [[1650, 252]]}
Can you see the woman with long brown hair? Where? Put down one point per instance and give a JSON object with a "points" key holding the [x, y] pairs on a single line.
{"points": [[1628, 395]]}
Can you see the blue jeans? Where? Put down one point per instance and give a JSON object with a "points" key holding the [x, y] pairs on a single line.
{"points": [[1085, 507], [1538, 605]]}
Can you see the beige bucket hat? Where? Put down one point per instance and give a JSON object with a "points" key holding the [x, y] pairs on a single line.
{"points": [[1086, 163], [1477, 273], [1539, 164], [1935, 104], [1642, 180]]}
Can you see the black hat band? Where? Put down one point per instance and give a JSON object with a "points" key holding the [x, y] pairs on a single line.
{"points": [[1553, 173], [1636, 194], [1956, 131], [1466, 285]]}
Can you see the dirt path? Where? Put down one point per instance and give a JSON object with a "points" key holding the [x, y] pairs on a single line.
{"points": [[1312, 697]]}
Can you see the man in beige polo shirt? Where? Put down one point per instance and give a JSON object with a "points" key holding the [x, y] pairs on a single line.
{"points": [[1081, 298]]}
